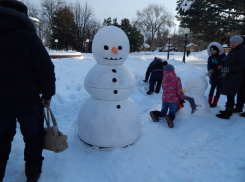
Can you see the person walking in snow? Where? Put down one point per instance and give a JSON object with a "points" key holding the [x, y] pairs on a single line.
{"points": [[233, 73], [155, 71], [26, 71], [172, 95], [216, 58]]}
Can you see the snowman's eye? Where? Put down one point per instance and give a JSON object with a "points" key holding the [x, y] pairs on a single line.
{"points": [[106, 47], [120, 47]]}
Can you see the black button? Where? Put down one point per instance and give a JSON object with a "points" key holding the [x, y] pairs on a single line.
{"points": [[118, 106], [114, 71], [115, 91], [114, 80]]}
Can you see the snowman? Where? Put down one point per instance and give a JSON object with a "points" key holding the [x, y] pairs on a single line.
{"points": [[109, 118], [196, 84]]}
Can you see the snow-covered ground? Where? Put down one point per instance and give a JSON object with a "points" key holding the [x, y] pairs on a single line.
{"points": [[200, 148]]}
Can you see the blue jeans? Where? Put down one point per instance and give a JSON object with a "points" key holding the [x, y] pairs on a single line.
{"points": [[172, 108], [30, 117]]}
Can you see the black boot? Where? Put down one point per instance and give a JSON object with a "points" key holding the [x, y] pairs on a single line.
{"points": [[170, 119], [149, 92], [154, 115], [225, 114], [33, 172], [237, 110], [2, 170], [242, 115]]}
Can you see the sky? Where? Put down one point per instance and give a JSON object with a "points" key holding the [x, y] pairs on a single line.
{"points": [[122, 9]]}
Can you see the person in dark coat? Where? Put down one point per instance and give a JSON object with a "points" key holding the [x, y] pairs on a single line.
{"points": [[240, 99], [216, 58], [151, 67], [26, 71], [233, 73], [188, 52], [155, 71]]}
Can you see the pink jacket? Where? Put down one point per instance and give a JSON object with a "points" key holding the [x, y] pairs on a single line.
{"points": [[172, 88]]}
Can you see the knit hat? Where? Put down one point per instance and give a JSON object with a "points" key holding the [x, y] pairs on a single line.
{"points": [[214, 48], [236, 38], [169, 67], [14, 4]]}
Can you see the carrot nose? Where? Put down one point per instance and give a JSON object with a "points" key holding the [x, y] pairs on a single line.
{"points": [[114, 50]]}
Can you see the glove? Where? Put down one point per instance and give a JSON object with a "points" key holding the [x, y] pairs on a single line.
{"points": [[182, 102], [144, 80], [225, 70]]}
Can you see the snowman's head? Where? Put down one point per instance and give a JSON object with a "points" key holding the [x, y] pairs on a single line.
{"points": [[110, 46]]}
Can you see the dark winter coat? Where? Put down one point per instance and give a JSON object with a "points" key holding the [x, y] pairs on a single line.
{"points": [[213, 62], [155, 64], [236, 63], [25, 66]]}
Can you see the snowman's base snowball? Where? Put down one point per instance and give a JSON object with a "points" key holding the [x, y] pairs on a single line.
{"points": [[184, 112], [109, 123]]}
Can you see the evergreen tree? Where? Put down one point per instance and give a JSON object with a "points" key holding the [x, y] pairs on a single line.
{"points": [[136, 39], [211, 20], [115, 23], [107, 22], [63, 28]]}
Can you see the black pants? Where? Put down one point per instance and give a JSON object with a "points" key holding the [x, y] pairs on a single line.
{"points": [[240, 100], [230, 101], [30, 117], [156, 77], [211, 92]]}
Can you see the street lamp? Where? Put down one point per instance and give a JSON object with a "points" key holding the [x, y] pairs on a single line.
{"points": [[56, 41], [169, 37], [186, 32], [87, 41]]}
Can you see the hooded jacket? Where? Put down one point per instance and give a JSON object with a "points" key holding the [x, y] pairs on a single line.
{"points": [[26, 69], [214, 61], [172, 88]]}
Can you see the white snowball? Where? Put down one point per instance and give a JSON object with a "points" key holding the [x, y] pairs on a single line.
{"points": [[196, 85], [184, 112], [108, 123], [107, 38], [109, 82]]}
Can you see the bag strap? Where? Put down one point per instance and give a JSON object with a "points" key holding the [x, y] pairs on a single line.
{"points": [[49, 112]]}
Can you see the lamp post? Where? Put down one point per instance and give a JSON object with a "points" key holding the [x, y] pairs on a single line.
{"points": [[87, 41], [169, 37], [186, 32], [56, 41]]}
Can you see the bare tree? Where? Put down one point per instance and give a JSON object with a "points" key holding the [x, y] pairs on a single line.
{"points": [[49, 8], [33, 9], [152, 19], [86, 23]]}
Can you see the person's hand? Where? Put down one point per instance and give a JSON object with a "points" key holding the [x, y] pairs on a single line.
{"points": [[46, 103], [219, 67], [225, 70], [182, 102], [144, 80]]}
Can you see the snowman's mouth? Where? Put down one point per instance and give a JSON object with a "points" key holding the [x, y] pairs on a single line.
{"points": [[113, 59]]}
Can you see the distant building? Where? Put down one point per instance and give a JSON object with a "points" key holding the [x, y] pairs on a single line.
{"points": [[192, 47], [145, 47], [36, 23], [226, 48]]}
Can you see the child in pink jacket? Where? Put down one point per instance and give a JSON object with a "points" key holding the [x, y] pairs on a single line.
{"points": [[172, 95]]}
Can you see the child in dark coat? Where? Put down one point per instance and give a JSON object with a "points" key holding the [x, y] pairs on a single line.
{"points": [[155, 70], [216, 58]]}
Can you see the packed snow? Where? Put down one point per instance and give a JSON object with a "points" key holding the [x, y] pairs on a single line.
{"points": [[200, 147]]}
